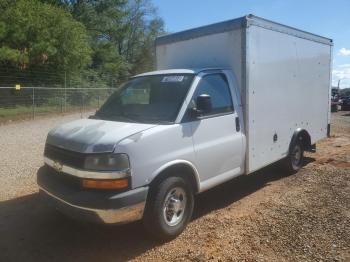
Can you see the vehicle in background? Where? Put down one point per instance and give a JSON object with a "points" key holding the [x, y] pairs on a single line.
{"points": [[345, 105], [228, 99], [335, 99]]}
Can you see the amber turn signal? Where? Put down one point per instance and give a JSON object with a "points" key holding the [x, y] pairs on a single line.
{"points": [[105, 184]]}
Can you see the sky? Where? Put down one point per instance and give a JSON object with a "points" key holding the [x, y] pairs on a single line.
{"points": [[329, 18]]}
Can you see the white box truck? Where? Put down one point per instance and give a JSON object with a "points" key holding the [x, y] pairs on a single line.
{"points": [[227, 99]]}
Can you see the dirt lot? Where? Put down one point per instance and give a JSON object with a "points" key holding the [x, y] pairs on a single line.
{"points": [[266, 216]]}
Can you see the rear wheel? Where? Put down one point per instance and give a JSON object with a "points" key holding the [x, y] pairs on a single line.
{"points": [[169, 208], [295, 159]]}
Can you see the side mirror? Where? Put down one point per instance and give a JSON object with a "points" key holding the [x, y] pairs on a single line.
{"points": [[203, 105]]}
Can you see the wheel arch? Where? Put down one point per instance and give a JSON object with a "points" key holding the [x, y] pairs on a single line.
{"points": [[182, 168], [302, 135]]}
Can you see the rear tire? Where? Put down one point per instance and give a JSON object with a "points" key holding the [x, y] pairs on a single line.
{"points": [[294, 161], [169, 208]]}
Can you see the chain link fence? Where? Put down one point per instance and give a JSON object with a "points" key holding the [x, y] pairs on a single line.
{"points": [[33, 101]]}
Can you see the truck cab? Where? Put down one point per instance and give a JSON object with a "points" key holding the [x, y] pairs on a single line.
{"points": [[185, 124]]}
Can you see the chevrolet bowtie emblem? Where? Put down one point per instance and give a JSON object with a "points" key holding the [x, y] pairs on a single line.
{"points": [[57, 166]]}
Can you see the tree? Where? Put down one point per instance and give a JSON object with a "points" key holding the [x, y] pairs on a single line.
{"points": [[142, 28], [97, 42], [35, 34], [121, 33], [104, 21]]}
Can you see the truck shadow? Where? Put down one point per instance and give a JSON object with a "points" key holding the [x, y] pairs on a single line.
{"points": [[29, 231], [236, 189]]}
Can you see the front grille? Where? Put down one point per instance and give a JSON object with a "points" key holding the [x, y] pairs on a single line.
{"points": [[66, 157], [65, 179]]}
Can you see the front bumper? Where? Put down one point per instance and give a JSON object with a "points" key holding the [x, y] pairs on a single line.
{"points": [[97, 206]]}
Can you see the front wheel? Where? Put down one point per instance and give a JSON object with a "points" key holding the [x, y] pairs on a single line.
{"points": [[295, 159], [169, 208]]}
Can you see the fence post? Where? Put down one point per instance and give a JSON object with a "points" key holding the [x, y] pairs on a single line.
{"points": [[65, 91], [82, 105], [33, 103], [83, 102]]}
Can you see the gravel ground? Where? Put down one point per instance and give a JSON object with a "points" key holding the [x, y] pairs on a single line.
{"points": [[266, 216], [21, 149]]}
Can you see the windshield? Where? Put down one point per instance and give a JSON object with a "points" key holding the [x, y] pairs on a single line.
{"points": [[147, 99]]}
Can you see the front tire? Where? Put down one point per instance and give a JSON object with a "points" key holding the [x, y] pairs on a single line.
{"points": [[169, 208], [295, 159]]}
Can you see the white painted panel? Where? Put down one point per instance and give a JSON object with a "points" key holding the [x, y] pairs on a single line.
{"points": [[288, 87], [155, 148], [221, 50], [218, 146]]}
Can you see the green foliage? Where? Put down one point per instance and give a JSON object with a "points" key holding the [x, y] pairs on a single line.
{"points": [[88, 42], [36, 34], [122, 33]]}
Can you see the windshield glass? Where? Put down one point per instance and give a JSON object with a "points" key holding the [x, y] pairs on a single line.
{"points": [[147, 99]]}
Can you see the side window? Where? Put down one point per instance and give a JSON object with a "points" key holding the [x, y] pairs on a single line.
{"points": [[217, 87]]}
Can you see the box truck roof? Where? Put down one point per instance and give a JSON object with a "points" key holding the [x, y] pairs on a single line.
{"points": [[177, 71], [169, 71], [241, 22]]}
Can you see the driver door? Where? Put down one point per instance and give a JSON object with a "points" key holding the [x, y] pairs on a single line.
{"points": [[217, 138]]}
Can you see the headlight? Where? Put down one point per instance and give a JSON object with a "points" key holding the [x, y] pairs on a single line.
{"points": [[107, 162]]}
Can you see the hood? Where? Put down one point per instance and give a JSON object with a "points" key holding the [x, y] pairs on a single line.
{"points": [[93, 136]]}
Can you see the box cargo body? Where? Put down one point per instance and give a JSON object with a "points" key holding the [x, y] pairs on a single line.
{"points": [[284, 77]]}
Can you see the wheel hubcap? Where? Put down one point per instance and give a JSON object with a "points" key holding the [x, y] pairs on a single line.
{"points": [[174, 206]]}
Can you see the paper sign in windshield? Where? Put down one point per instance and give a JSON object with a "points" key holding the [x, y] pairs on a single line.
{"points": [[173, 78]]}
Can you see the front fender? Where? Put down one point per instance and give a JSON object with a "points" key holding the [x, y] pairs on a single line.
{"points": [[177, 163]]}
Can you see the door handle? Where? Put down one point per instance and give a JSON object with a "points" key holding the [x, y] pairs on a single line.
{"points": [[238, 127]]}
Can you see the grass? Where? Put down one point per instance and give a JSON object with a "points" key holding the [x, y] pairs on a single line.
{"points": [[23, 110]]}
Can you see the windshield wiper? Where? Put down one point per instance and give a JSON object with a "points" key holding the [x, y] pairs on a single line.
{"points": [[110, 116], [134, 118], [157, 121]]}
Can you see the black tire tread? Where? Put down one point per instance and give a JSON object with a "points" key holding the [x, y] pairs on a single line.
{"points": [[288, 161], [153, 220]]}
